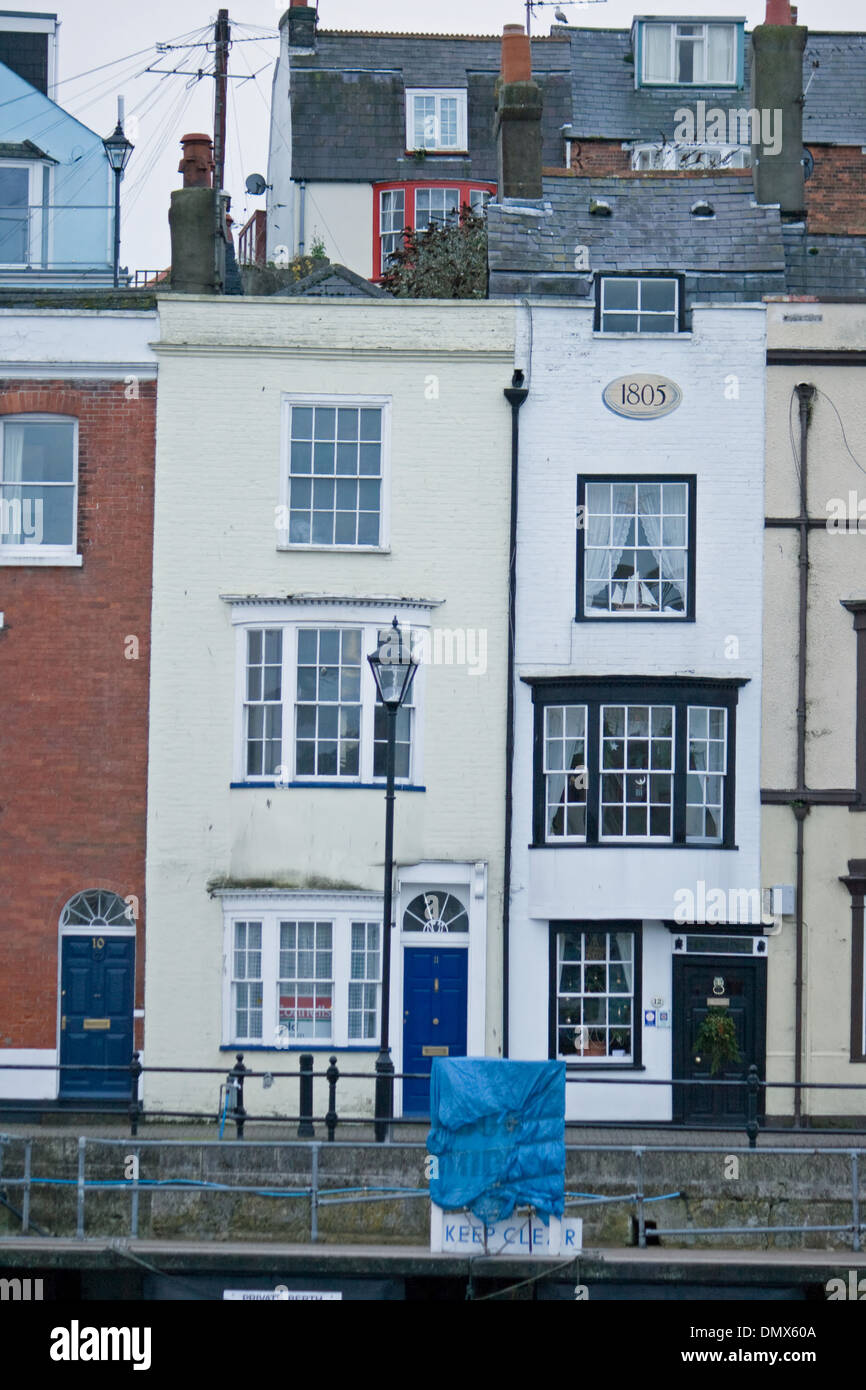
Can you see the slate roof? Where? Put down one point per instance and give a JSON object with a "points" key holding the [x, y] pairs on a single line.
{"points": [[606, 104], [824, 265], [348, 112], [335, 281], [736, 255]]}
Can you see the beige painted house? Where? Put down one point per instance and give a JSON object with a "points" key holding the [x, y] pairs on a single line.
{"points": [[814, 721], [325, 465]]}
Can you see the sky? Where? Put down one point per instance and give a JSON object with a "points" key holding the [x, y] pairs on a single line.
{"points": [[161, 108]]}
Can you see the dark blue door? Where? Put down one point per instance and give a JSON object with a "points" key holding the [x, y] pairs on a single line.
{"points": [[97, 985], [434, 1016]]}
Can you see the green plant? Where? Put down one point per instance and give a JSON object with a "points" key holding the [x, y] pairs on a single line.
{"points": [[439, 262], [717, 1040], [317, 249]]}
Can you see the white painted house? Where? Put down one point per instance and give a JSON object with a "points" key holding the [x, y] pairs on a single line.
{"points": [[635, 883], [325, 465]]}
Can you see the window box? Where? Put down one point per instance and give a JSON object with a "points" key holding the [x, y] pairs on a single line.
{"points": [[436, 119], [635, 548], [335, 472], [639, 304], [634, 761], [38, 490], [689, 53]]}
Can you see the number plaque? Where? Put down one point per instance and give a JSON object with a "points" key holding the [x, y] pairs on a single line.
{"points": [[642, 396]]}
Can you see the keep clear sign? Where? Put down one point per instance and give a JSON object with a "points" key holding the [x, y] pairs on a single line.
{"points": [[520, 1235], [642, 396]]}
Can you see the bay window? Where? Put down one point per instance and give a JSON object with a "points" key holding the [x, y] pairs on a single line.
{"points": [[304, 971], [630, 760]]}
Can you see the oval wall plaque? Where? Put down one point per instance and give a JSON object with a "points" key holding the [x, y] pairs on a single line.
{"points": [[642, 396]]}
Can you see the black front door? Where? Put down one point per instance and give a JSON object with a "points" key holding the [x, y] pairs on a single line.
{"points": [[701, 987]]}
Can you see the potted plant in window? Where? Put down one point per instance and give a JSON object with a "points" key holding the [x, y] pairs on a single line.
{"points": [[716, 1042]]}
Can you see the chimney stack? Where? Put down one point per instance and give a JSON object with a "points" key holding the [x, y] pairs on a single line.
{"points": [[777, 97], [198, 224], [301, 19], [518, 119]]}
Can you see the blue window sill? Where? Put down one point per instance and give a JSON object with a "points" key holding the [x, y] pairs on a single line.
{"points": [[297, 1047], [343, 786]]}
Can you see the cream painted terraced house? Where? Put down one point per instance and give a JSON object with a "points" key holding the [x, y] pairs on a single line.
{"points": [[325, 465]]}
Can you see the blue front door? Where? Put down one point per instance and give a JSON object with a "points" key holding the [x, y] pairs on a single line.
{"points": [[97, 986], [434, 1016]]}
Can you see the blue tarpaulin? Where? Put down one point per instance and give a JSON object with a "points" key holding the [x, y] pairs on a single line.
{"points": [[498, 1131]]}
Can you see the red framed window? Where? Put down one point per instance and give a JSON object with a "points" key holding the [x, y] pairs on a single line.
{"points": [[400, 205]]}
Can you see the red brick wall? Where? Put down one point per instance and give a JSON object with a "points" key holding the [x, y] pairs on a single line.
{"points": [[73, 731], [599, 157], [836, 192]]}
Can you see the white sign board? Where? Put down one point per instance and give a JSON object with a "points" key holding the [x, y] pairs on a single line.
{"points": [[455, 1232], [280, 1295]]}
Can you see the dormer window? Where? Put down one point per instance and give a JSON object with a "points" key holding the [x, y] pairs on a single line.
{"points": [[685, 53], [691, 155], [435, 119]]}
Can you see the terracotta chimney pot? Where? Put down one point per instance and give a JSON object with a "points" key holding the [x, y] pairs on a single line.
{"points": [[196, 164], [516, 54], [779, 12]]}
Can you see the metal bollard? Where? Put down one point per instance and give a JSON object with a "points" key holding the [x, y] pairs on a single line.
{"points": [[236, 1078], [305, 1128], [135, 1070], [333, 1076], [753, 1084]]}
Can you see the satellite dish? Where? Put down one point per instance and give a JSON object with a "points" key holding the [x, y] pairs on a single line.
{"points": [[281, 255], [256, 185], [808, 163]]}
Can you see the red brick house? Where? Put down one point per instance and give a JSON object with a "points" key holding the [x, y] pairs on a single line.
{"points": [[77, 434]]}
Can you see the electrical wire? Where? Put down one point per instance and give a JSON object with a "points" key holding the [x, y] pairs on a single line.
{"points": [[825, 397]]}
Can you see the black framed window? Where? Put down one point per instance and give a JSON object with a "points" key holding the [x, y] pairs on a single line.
{"points": [[595, 992], [652, 303], [634, 760], [635, 548]]}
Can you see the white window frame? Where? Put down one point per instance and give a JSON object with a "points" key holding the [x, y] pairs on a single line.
{"points": [[684, 155], [550, 772], [35, 212], [394, 235], [583, 1056], [672, 26], [270, 908], [721, 772], [638, 312], [382, 403], [332, 617], [450, 218], [40, 554], [413, 142], [625, 772]]}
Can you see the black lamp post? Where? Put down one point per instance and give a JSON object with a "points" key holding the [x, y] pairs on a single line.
{"points": [[118, 149], [393, 667]]}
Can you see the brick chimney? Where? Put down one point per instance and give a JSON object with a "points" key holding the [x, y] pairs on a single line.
{"points": [[197, 218], [518, 119], [777, 97], [301, 20]]}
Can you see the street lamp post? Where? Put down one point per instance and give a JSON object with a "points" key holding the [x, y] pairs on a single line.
{"points": [[393, 667], [118, 149]]}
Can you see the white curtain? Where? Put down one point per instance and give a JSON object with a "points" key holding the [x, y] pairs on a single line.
{"points": [[624, 942], [600, 564], [720, 52], [13, 473], [656, 53]]}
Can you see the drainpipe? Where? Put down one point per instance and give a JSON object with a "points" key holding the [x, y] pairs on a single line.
{"points": [[805, 397], [515, 394], [301, 211]]}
